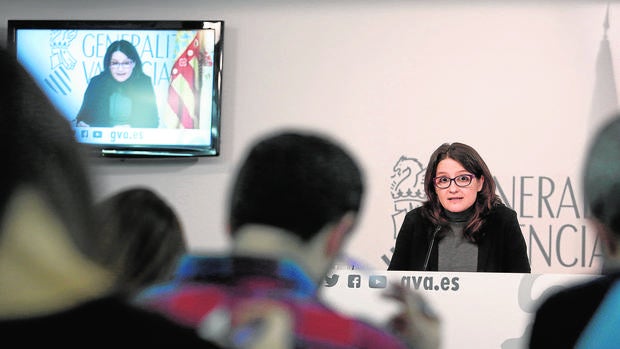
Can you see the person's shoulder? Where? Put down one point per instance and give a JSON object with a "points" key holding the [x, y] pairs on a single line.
{"points": [[501, 209], [142, 79], [500, 215], [97, 81], [118, 308], [586, 295], [98, 78], [109, 321], [142, 326], [416, 216], [418, 211]]}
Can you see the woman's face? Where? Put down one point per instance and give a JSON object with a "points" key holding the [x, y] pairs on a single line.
{"points": [[456, 198], [121, 66]]}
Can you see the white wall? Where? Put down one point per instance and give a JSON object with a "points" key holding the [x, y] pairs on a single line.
{"points": [[514, 79]]}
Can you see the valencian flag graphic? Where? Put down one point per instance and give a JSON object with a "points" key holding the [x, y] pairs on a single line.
{"points": [[185, 79]]}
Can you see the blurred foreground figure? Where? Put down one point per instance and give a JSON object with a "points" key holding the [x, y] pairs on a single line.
{"points": [[561, 319], [140, 236], [294, 203], [52, 293]]}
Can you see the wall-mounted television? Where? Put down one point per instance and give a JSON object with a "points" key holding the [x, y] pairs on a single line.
{"points": [[130, 88]]}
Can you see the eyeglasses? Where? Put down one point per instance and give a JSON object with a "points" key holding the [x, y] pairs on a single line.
{"points": [[444, 182], [125, 64]]}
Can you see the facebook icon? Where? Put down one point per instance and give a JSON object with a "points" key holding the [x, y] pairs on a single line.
{"points": [[355, 281]]}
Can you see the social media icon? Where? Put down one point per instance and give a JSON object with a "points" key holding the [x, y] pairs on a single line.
{"points": [[377, 281], [97, 134], [355, 281], [84, 133], [331, 281]]}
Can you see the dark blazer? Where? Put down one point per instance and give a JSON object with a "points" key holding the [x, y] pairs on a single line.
{"points": [[95, 109], [501, 247], [562, 317]]}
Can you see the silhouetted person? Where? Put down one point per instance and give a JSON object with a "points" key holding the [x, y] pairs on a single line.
{"points": [[562, 317], [141, 237], [52, 293]]}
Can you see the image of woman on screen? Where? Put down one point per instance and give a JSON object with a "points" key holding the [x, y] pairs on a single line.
{"points": [[122, 94], [463, 225]]}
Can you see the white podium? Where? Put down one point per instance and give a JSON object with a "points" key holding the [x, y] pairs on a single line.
{"points": [[478, 310]]}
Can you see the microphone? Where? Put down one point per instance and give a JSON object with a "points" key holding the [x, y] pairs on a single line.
{"points": [[430, 247]]}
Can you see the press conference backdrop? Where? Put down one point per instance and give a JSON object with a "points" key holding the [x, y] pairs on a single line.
{"points": [[524, 82]]}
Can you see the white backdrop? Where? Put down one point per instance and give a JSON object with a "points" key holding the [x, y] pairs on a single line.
{"points": [[392, 80]]}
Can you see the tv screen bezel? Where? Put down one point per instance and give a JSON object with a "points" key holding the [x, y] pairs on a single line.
{"points": [[144, 150]]}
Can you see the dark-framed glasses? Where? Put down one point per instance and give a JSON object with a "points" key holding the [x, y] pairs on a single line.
{"points": [[443, 182], [124, 64]]}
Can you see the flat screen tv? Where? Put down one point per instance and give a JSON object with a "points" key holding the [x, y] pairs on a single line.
{"points": [[130, 88]]}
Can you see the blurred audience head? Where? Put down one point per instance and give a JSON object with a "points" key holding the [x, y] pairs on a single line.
{"points": [[601, 183], [45, 203], [295, 181], [140, 237]]}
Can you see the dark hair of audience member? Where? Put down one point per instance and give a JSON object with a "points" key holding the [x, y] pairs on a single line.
{"points": [[40, 152], [309, 159], [140, 237]]}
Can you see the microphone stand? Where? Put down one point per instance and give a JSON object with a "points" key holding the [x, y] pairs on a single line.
{"points": [[430, 247]]}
